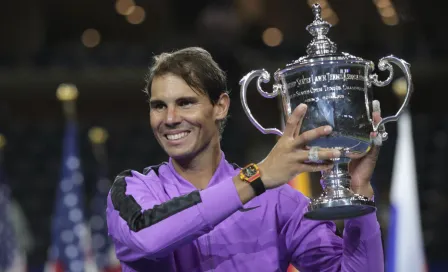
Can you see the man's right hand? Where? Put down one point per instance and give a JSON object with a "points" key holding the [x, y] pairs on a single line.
{"points": [[289, 156]]}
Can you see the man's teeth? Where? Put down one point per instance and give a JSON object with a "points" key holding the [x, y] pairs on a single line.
{"points": [[176, 136]]}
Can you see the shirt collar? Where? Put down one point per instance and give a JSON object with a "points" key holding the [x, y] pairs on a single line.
{"points": [[224, 169]]}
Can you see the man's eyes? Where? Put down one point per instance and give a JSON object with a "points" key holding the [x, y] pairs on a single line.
{"points": [[183, 103], [158, 106], [186, 102]]}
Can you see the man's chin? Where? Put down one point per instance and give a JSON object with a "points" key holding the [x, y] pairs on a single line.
{"points": [[180, 154]]}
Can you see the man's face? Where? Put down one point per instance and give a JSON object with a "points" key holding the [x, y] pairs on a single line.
{"points": [[183, 120]]}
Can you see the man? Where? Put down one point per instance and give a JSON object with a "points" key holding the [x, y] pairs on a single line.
{"points": [[198, 212]]}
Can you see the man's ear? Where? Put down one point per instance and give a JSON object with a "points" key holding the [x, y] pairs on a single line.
{"points": [[221, 107]]}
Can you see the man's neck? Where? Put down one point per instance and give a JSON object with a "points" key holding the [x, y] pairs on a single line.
{"points": [[199, 170]]}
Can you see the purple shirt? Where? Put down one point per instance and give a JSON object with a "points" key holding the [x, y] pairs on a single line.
{"points": [[158, 221]]}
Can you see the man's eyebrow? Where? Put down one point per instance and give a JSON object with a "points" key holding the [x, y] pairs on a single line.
{"points": [[155, 101], [189, 98]]}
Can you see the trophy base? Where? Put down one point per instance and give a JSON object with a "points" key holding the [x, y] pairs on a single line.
{"points": [[337, 200], [326, 208]]}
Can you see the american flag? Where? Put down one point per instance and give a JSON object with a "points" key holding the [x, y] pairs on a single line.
{"points": [[7, 236], [102, 246], [69, 231]]}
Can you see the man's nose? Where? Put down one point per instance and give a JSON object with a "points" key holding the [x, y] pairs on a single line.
{"points": [[172, 116]]}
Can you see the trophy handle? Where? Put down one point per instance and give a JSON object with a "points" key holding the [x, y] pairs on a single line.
{"points": [[384, 64], [263, 76]]}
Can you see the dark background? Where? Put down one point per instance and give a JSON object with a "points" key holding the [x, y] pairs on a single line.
{"points": [[41, 47]]}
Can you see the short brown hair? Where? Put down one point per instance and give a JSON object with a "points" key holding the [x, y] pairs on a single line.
{"points": [[196, 67]]}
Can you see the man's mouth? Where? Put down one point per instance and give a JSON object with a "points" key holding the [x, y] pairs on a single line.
{"points": [[177, 136]]}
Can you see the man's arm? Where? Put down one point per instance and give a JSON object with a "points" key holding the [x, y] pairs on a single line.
{"points": [[314, 245], [144, 227]]}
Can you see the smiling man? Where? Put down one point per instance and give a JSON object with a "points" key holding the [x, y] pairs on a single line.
{"points": [[198, 212]]}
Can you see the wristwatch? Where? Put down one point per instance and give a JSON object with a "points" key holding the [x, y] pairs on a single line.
{"points": [[251, 175]]}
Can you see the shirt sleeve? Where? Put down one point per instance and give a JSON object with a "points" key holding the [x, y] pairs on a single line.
{"points": [[142, 226], [314, 245]]}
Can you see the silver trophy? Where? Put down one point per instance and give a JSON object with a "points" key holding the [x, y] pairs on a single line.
{"points": [[337, 88]]}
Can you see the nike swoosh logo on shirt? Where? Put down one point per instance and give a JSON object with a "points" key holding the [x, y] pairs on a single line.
{"points": [[248, 209]]}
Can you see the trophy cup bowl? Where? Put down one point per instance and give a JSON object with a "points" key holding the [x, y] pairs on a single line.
{"points": [[337, 88]]}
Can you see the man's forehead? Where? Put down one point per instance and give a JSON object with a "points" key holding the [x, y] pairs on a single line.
{"points": [[174, 94], [173, 90]]}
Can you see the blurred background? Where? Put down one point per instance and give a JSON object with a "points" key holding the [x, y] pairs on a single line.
{"points": [[104, 48]]}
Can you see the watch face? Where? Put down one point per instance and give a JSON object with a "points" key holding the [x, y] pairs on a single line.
{"points": [[250, 171]]}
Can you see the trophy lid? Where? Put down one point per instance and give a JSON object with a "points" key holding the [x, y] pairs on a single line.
{"points": [[321, 47]]}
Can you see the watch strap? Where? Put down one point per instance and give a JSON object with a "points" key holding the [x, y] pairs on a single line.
{"points": [[258, 186]]}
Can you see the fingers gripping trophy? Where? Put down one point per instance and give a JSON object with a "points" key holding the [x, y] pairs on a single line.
{"points": [[337, 89]]}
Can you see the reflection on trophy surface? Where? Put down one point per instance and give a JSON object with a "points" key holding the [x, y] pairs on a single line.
{"points": [[337, 88]]}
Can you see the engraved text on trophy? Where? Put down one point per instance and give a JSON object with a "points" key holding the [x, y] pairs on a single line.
{"points": [[335, 95]]}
